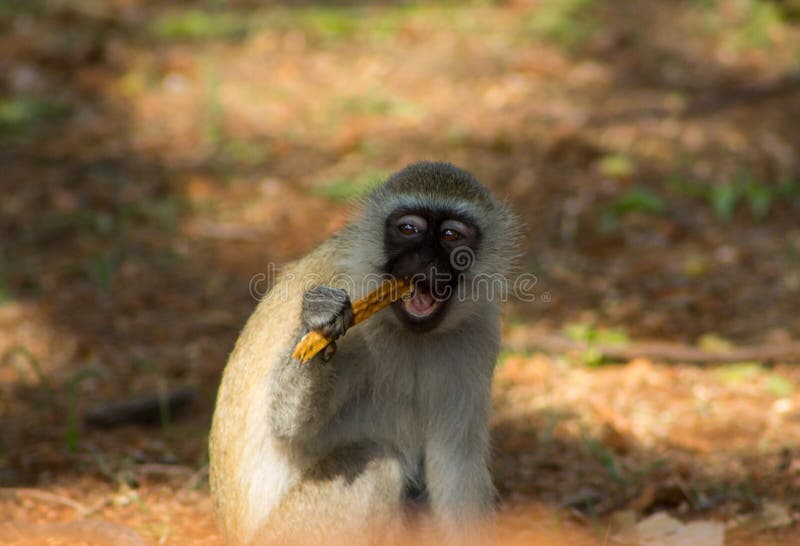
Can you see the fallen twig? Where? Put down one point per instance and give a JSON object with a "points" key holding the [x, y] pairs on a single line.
{"points": [[43, 496], [148, 408], [788, 352], [194, 480]]}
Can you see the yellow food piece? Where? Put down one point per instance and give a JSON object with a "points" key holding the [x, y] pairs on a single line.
{"points": [[390, 290]]}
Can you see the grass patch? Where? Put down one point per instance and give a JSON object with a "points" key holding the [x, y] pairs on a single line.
{"points": [[604, 456], [5, 291], [743, 191], [618, 166], [744, 373], [739, 373], [567, 23], [723, 198], [10, 8], [345, 189], [5, 285], [22, 113], [21, 358], [195, 24], [102, 268], [243, 153], [754, 25], [377, 104], [591, 334], [329, 24], [635, 200], [779, 386]]}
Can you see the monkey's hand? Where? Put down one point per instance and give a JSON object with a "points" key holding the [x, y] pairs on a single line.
{"points": [[328, 311]]}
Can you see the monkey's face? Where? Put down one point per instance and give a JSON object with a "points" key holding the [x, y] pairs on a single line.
{"points": [[434, 248]]}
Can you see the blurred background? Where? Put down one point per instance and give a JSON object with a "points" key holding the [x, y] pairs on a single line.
{"points": [[158, 155]]}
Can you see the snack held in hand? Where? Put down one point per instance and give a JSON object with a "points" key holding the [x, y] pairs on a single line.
{"points": [[388, 292]]}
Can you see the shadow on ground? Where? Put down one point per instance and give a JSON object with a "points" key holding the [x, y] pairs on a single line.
{"points": [[127, 247]]}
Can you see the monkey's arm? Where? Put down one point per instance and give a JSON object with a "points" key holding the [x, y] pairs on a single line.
{"points": [[304, 396], [460, 486], [459, 483], [456, 466]]}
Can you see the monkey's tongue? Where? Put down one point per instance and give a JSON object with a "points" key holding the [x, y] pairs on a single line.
{"points": [[420, 304]]}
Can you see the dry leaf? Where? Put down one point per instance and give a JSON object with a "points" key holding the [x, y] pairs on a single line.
{"points": [[623, 526], [775, 515], [663, 530]]}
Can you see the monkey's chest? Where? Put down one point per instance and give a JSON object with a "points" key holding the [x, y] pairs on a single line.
{"points": [[403, 406]]}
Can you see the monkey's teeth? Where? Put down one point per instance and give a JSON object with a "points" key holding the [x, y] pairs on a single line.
{"points": [[421, 304]]}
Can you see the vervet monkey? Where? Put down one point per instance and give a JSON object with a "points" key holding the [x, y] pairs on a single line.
{"points": [[334, 449]]}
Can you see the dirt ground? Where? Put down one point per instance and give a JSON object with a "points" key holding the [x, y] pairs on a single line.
{"points": [[157, 158]]}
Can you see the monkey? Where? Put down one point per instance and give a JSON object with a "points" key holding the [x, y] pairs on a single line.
{"points": [[390, 424]]}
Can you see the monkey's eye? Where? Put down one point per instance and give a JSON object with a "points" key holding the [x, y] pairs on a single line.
{"points": [[454, 230], [411, 225], [449, 234]]}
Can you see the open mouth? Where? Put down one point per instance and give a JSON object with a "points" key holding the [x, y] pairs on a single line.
{"points": [[421, 304], [422, 309]]}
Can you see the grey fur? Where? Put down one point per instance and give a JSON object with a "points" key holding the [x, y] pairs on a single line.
{"points": [[328, 310], [341, 439]]}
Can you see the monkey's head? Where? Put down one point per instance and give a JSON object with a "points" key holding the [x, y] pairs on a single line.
{"points": [[443, 229]]}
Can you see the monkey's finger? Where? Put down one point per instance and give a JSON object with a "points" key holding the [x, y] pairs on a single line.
{"points": [[389, 291]]}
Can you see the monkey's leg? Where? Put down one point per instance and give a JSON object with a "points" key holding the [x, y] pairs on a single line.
{"points": [[353, 497]]}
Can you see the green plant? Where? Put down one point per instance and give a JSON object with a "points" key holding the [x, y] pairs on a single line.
{"points": [[600, 452], [722, 198], [196, 24], [344, 189], [9, 8], [779, 386], [636, 199], [590, 333], [331, 22], [10, 358], [755, 24], [72, 434], [214, 109], [788, 188], [760, 197], [738, 373], [102, 267], [20, 113], [374, 102], [242, 153], [725, 197], [5, 289], [568, 23], [616, 166]]}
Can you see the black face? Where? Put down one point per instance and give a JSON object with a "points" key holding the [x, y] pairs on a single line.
{"points": [[433, 248]]}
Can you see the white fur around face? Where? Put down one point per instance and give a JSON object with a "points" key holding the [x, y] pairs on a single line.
{"points": [[487, 280]]}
